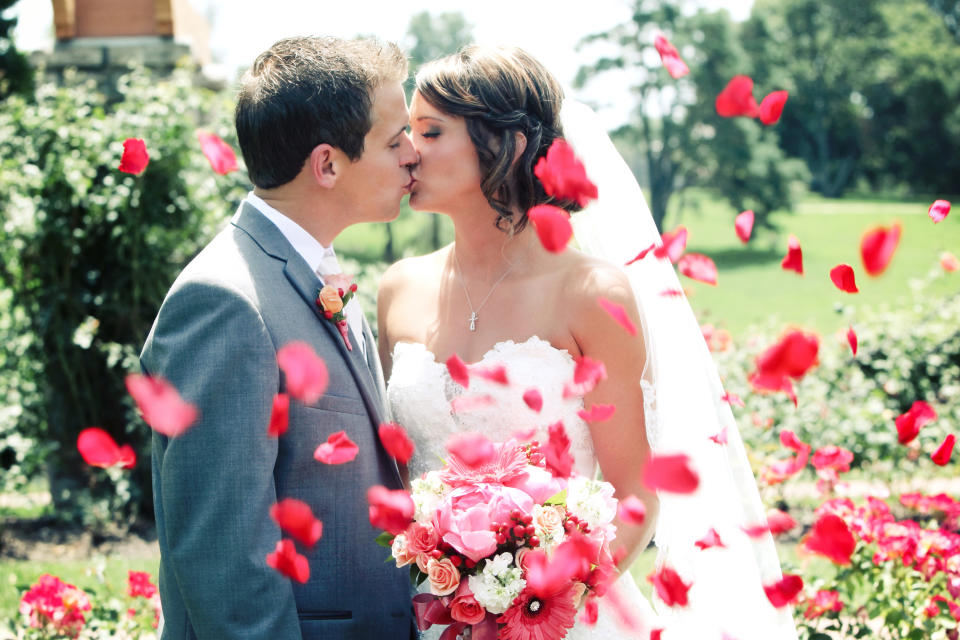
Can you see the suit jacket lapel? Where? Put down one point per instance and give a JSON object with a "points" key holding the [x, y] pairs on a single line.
{"points": [[376, 370]]}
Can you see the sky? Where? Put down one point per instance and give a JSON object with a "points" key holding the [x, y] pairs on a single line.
{"points": [[241, 29]]}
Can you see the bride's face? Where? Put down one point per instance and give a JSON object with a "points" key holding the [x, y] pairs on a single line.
{"points": [[448, 176]]}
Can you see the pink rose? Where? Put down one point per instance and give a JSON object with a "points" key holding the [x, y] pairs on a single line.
{"points": [[538, 483], [443, 576], [423, 561], [465, 607], [466, 516], [401, 551], [422, 538]]}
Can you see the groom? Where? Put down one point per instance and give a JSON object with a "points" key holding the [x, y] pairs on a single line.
{"points": [[321, 124]]}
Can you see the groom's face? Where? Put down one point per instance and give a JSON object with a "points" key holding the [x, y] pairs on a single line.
{"points": [[377, 181]]}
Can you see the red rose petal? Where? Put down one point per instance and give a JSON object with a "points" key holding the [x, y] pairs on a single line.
{"points": [[641, 255], [949, 262], [843, 277], [305, 374], [220, 155], [791, 357], [597, 413], [338, 449], [939, 210], [671, 473], [162, 407], [852, 340], [465, 404], [737, 99], [780, 522], [552, 225], [793, 261], [910, 423], [458, 371], [721, 437], [710, 540], [670, 57], [832, 457], [99, 449], [670, 587], [832, 538], [632, 510], [618, 313], [732, 399], [391, 511], [296, 518], [743, 224], [396, 442], [674, 243], [772, 106], [784, 591], [495, 373], [698, 267], [279, 415], [288, 562], [473, 449], [942, 455], [135, 157], [533, 399], [557, 451], [563, 176], [877, 247], [671, 293]]}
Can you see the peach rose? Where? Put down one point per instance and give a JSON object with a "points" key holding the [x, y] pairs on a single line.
{"points": [[423, 561], [465, 607], [548, 519], [330, 299], [401, 551], [422, 538], [444, 577]]}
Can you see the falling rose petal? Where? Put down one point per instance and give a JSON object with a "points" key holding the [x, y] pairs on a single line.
{"points": [[495, 373], [772, 106], [942, 455], [744, 225], [396, 442], [533, 399], [296, 519], [832, 457], [910, 423], [390, 510], [843, 277], [790, 440], [852, 340], [220, 155], [524, 435], [465, 404], [338, 449], [632, 510], [640, 256], [563, 175], [288, 562], [756, 530], [597, 413], [458, 371], [877, 247], [671, 473], [587, 373], [737, 99], [939, 210], [710, 540], [784, 591], [305, 374], [99, 449], [780, 522], [791, 357], [674, 243], [672, 293], [618, 313], [552, 225], [831, 538], [732, 399], [670, 586], [720, 438], [557, 451], [793, 261], [279, 415], [670, 57], [135, 157], [162, 407], [473, 449], [949, 262], [698, 267], [590, 613]]}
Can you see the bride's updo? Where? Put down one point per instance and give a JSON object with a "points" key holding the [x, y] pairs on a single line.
{"points": [[500, 92]]}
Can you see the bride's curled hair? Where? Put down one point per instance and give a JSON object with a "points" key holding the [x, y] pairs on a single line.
{"points": [[501, 92]]}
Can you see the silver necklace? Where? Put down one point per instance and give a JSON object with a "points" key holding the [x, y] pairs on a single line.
{"points": [[475, 312]]}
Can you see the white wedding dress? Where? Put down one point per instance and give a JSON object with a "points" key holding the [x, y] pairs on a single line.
{"points": [[420, 390]]}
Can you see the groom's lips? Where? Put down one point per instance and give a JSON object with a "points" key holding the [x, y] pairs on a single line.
{"points": [[409, 186]]}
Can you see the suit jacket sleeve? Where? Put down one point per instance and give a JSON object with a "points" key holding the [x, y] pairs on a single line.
{"points": [[216, 480]]}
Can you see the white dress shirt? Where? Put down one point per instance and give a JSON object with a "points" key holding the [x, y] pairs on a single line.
{"points": [[322, 260]]}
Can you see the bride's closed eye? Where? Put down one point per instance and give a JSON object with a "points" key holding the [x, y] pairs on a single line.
{"points": [[432, 133]]}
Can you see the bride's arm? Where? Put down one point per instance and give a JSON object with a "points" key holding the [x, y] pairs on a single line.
{"points": [[621, 442]]}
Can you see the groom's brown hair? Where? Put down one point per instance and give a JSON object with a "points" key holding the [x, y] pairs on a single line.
{"points": [[306, 91]]}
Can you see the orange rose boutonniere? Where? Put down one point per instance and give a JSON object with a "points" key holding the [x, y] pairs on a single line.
{"points": [[332, 298]]}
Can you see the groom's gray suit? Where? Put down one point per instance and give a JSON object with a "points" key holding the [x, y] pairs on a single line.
{"points": [[247, 294]]}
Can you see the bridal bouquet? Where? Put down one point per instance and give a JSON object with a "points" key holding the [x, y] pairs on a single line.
{"points": [[508, 546]]}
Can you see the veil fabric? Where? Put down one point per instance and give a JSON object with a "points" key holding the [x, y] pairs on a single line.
{"points": [[682, 386]]}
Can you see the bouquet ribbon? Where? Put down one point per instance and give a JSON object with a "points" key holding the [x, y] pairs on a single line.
{"points": [[430, 610]]}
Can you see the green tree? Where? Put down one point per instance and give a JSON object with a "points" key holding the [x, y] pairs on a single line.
{"points": [[15, 73], [949, 10]]}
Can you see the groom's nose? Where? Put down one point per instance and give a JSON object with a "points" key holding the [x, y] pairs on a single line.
{"points": [[409, 156]]}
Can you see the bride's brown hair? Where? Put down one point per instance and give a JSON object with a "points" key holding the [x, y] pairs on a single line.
{"points": [[501, 92]]}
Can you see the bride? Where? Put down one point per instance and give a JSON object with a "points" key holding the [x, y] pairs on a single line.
{"points": [[480, 121]]}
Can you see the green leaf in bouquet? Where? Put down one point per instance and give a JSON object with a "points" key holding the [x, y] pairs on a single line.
{"points": [[385, 540], [558, 498]]}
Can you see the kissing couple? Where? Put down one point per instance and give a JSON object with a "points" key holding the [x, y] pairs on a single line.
{"points": [[329, 142]]}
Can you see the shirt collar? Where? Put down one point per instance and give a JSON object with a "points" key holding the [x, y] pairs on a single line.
{"points": [[303, 243]]}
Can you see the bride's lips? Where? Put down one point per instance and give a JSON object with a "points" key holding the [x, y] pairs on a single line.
{"points": [[408, 188]]}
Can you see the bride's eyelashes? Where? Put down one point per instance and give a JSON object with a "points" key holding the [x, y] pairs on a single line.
{"points": [[431, 133]]}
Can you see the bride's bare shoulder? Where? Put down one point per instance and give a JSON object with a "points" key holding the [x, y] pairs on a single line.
{"points": [[591, 277], [407, 272]]}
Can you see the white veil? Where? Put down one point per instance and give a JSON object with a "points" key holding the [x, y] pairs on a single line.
{"points": [[681, 380]]}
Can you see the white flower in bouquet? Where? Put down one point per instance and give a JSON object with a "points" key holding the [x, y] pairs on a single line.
{"points": [[592, 501], [427, 492], [499, 584]]}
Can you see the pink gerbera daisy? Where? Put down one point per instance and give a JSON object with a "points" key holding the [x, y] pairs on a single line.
{"points": [[507, 462], [533, 618]]}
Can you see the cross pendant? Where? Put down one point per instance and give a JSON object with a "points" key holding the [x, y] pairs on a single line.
{"points": [[473, 321]]}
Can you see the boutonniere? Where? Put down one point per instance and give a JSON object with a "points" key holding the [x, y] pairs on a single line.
{"points": [[332, 298]]}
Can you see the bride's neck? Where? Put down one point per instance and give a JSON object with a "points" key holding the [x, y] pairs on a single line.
{"points": [[484, 251]]}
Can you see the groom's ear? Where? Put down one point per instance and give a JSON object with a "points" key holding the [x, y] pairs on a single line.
{"points": [[323, 165]]}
